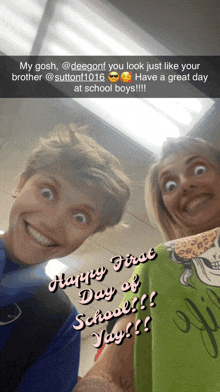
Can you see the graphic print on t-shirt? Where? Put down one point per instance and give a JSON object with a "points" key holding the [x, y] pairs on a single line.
{"points": [[202, 251]]}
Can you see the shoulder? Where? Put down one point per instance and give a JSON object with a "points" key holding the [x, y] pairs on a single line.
{"points": [[160, 253]]}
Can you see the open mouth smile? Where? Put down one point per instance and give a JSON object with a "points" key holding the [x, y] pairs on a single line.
{"points": [[196, 204], [38, 237]]}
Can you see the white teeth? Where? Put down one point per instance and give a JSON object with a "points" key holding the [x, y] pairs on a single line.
{"points": [[38, 237], [194, 204], [216, 265]]}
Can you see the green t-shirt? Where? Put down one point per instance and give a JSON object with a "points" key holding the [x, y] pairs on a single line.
{"points": [[181, 352]]}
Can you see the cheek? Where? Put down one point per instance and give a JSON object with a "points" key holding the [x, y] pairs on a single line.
{"points": [[25, 200], [76, 237], [23, 204], [74, 242], [170, 202], [167, 201], [216, 181], [16, 210]]}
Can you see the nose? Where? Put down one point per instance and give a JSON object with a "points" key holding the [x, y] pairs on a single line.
{"points": [[54, 220], [187, 184]]}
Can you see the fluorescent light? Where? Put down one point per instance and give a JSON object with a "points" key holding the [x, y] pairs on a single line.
{"points": [[19, 24], [93, 28], [96, 28], [2, 231], [150, 122], [172, 108], [90, 33]]}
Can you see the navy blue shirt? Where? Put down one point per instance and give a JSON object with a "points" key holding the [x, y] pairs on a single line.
{"points": [[57, 367]]}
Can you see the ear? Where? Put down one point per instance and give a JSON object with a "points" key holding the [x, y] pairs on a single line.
{"points": [[20, 185]]}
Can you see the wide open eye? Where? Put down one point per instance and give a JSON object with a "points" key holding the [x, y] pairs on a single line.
{"points": [[80, 217], [170, 186], [200, 169], [47, 193]]}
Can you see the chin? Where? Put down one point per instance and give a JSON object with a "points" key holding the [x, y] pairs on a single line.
{"points": [[202, 228], [196, 226], [29, 260]]}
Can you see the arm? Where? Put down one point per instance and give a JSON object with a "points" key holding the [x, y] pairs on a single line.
{"points": [[114, 369]]}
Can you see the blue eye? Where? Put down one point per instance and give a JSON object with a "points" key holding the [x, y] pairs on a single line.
{"points": [[170, 186], [199, 170], [81, 218], [47, 193]]}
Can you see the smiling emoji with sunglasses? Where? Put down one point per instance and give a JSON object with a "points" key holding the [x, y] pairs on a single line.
{"points": [[113, 76]]}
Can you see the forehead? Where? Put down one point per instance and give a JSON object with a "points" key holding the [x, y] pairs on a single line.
{"points": [[179, 163], [71, 187], [66, 177]]}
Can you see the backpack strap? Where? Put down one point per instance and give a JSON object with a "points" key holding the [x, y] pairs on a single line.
{"points": [[42, 317]]}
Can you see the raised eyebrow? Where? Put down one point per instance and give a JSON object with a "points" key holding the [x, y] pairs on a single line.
{"points": [[55, 181], [164, 175], [86, 207], [192, 159], [83, 206], [189, 160]]}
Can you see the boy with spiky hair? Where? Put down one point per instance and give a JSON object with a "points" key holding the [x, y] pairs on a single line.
{"points": [[70, 189]]}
